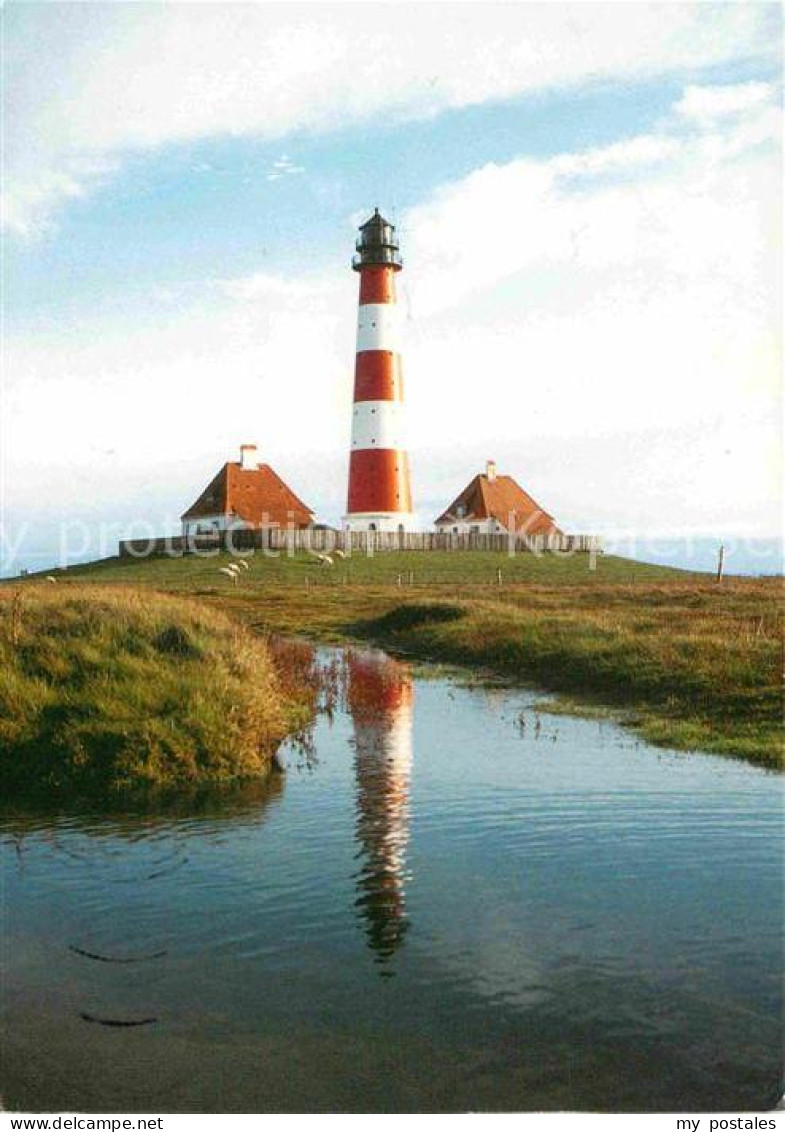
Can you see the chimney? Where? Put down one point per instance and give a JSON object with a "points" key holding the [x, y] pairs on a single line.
{"points": [[248, 458], [490, 470]]}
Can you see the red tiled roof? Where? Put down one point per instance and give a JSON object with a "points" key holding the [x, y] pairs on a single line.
{"points": [[501, 499], [258, 496]]}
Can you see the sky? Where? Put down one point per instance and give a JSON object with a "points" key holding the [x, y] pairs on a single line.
{"points": [[587, 199]]}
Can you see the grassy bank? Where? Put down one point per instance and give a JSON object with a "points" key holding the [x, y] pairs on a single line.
{"points": [[676, 671], [106, 691], [688, 663]]}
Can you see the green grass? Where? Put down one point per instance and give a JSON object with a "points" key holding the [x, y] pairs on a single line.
{"points": [[106, 691], [700, 676], [688, 663], [438, 568]]}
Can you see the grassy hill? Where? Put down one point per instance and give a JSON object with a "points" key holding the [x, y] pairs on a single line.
{"points": [[110, 691], [687, 662], [449, 568]]}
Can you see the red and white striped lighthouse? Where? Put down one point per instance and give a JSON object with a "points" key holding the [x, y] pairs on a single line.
{"points": [[379, 492]]}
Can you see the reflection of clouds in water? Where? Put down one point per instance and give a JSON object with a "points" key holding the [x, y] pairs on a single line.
{"points": [[498, 969], [491, 938], [529, 716], [379, 698], [493, 944]]}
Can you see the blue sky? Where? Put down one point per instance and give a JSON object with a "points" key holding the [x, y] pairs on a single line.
{"points": [[587, 198], [208, 206]]}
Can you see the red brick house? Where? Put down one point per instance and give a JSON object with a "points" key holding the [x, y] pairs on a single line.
{"points": [[246, 494], [494, 504]]}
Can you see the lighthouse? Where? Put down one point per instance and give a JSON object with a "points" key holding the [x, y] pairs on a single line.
{"points": [[379, 490]]}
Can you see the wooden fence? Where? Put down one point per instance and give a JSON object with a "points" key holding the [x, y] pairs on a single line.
{"points": [[325, 541]]}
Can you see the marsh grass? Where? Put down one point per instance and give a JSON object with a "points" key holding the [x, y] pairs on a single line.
{"points": [[110, 690], [687, 664], [703, 674]]}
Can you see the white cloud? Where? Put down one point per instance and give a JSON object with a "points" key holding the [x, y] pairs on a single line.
{"points": [[87, 81], [634, 153], [264, 285], [552, 306], [706, 104], [671, 203], [245, 359], [33, 195], [283, 167]]}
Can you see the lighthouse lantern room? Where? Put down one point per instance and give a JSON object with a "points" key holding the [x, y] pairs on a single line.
{"points": [[379, 489]]}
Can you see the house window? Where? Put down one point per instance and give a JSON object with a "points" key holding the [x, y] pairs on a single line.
{"points": [[475, 530], [460, 511]]}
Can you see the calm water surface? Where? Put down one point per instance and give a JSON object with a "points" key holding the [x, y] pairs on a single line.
{"points": [[450, 901]]}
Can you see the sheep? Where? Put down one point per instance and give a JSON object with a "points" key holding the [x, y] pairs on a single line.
{"points": [[228, 572], [243, 564], [339, 554], [49, 578], [322, 559]]}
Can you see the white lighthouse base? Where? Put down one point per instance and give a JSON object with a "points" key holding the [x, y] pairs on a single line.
{"points": [[380, 521]]}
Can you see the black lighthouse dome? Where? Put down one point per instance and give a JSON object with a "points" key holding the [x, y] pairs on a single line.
{"points": [[377, 245]]}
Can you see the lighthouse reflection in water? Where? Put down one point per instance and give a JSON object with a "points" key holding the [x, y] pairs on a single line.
{"points": [[379, 694]]}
